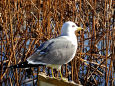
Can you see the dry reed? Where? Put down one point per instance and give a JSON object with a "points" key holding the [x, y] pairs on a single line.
{"points": [[24, 24]]}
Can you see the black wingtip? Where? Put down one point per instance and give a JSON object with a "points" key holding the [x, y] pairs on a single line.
{"points": [[25, 65], [20, 65]]}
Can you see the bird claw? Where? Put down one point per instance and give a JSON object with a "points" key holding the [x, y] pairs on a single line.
{"points": [[64, 79]]}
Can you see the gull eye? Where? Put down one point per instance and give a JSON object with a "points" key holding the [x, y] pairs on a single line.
{"points": [[73, 25]]}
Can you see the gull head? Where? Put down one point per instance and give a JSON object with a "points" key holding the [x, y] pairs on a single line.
{"points": [[69, 28]]}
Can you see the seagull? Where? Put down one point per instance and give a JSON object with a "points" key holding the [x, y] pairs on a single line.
{"points": [[57, 51]]}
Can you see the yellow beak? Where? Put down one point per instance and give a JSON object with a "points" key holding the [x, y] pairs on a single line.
{"points": [[79, 28]]}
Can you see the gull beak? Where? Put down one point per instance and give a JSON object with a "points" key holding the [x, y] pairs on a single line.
{"points": [[79, 28]]}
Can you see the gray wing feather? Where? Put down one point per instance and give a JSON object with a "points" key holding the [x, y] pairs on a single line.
{"points": [[55, 51]]}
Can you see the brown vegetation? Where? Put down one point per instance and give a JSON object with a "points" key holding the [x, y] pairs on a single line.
{"points": [[24, 24]]}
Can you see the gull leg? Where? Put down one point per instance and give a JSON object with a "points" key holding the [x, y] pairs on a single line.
{"points": [[52, 72], [62, 78], [61, 74]]}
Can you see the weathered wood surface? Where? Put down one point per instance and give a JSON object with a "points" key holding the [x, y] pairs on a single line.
{"points": [[49, 81]]}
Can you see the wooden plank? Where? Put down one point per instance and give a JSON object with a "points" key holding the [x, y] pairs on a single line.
{"points": [[49, 81]]}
